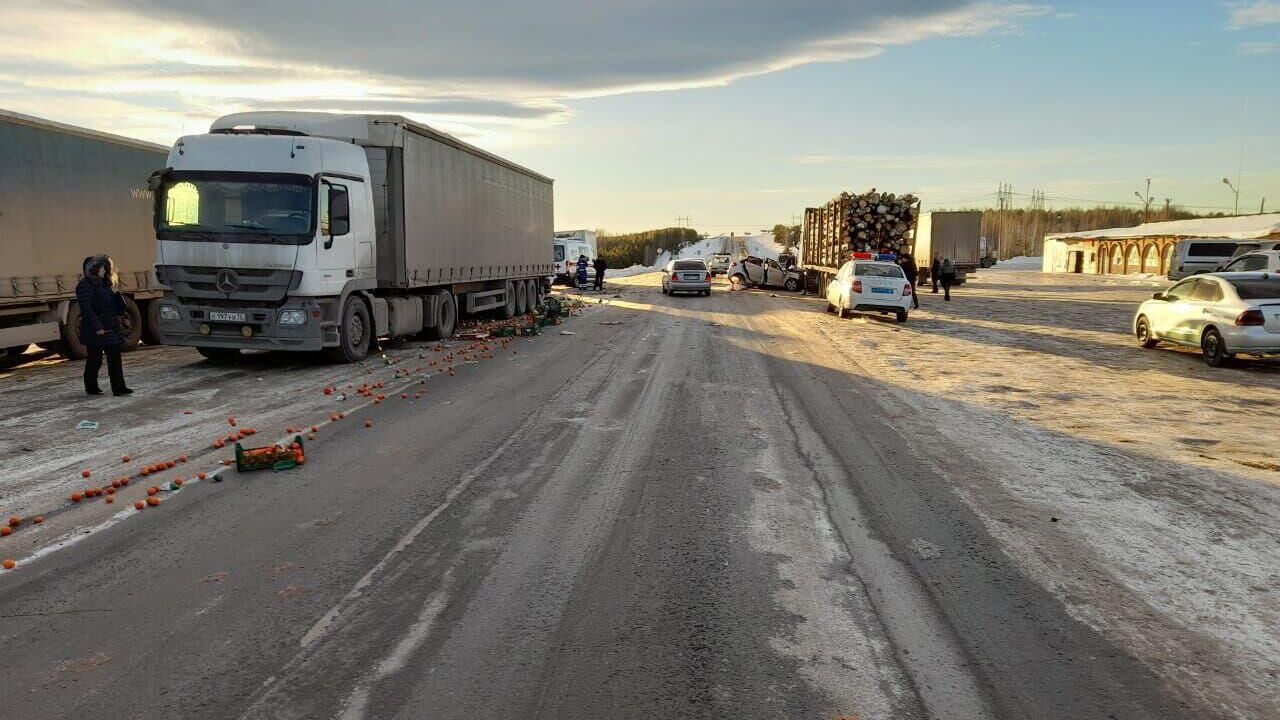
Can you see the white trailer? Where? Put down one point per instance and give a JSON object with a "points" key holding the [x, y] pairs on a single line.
{"points": [[67, 193], [317, 231]]}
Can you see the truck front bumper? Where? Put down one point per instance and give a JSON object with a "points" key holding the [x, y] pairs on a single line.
{"points": [[259, 330]]}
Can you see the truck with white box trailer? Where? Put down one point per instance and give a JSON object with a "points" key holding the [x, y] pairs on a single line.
{"points": [[317, 231], [956, 235], [67, 193]]}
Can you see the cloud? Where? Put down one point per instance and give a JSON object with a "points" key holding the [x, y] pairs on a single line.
{"points": [[1259, 48], [1254, 14], [493, 67]]}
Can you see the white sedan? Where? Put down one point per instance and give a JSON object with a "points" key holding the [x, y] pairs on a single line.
{"points": [[869, 285], [1222, 314]]}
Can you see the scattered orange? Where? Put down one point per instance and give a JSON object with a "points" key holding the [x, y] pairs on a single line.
{"points": [[125, 458], [368, 423], [38, 519], [9, 564], [182, 458], [85, 473], [202, 476], [109, 499], [15, 521], [124, 481], [139, 505], [231, 421], [153, 490], [6, 531], [153, 501]]}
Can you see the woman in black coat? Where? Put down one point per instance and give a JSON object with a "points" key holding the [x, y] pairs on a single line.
{"points": [[100, 331]]}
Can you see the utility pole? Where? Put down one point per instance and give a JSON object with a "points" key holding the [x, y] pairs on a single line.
{"points": [[1166, 207], [1262, 209]]}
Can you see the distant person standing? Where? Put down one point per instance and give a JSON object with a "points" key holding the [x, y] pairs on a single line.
{"points": [[100, 310], [600, 266], [935, 270], [580, 278], [948, 277], [908, 263]]}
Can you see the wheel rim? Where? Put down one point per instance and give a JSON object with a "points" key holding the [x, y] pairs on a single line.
{"points": [[1143, 331], [1211, 345], [357, 330]]}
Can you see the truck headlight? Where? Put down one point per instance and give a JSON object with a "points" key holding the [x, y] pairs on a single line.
{"points": [[293, 317], [169, 312]]}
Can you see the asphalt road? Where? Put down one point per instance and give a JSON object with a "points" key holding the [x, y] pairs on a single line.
{"points": [[689, 508]]}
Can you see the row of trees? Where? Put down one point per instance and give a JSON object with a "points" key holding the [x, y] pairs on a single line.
{"points": [[642, 248], [1021, 232], [786, 236]]}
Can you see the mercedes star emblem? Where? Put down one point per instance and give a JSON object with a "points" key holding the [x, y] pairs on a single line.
{"points": [[226, 281]]}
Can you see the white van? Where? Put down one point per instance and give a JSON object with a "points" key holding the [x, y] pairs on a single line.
{"points": [[1248, 246], [1200, 255], [566, 256]]}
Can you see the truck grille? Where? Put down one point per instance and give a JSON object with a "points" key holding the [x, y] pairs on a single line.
{"points": [[250, 284]]}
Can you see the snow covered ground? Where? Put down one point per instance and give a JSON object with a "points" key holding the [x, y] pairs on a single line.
{"points": [[1022, 262], [1141, 486]]}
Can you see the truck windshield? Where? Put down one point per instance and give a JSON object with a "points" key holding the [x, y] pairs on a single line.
{"points": [[238, 207]]}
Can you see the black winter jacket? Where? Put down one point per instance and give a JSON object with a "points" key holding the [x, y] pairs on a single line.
{"points": [[100, 309]]}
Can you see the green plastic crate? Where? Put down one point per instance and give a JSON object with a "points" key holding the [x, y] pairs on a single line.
{"points": [[245, 462]]}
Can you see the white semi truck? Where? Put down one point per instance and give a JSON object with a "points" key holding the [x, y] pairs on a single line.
{"points": [[316, 231]]}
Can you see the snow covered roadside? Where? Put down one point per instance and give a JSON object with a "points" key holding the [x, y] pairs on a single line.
{"points": [[1119, 478], [1022, 262]]}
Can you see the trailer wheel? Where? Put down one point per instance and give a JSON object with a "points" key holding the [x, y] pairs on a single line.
{"points": [[131, 324], [354, 333], [70, 346], [151, 323], [508, 311], [446, 317], [535, 295], [522, 298]]}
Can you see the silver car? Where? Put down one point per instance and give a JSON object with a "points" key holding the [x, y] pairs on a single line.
{"points": [[691, 276], [1222, 314]]}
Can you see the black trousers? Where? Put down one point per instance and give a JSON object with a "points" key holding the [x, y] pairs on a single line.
{"points": [[947, 282], [93, 363], [599, 279]]}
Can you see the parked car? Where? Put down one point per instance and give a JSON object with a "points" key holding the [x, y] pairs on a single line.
{"points": [[1222, 314], [1191, 257], [1253, 245], [686, 276], [719, 264], [870, 285], [1262, 260], [758, 272]]}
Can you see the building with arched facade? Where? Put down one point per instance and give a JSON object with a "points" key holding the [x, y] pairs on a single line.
{"points": [[1147, 248]]}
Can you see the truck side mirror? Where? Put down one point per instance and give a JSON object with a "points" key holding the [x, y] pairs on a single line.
{"points": [[339, 211]]}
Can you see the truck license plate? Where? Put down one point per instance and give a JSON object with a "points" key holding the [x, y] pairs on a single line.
{"points": [[227, 316], [882, 290]]}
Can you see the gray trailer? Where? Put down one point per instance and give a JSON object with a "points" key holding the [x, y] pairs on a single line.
{"points": [[67, 193], [950, 234], [315, 231]]}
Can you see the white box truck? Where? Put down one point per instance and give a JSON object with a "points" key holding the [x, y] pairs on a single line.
{"points": [[318, 231], [949, 234], [67, 193]]}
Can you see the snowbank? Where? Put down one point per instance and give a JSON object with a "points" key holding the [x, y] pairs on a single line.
{"points": [[1022, 262]]}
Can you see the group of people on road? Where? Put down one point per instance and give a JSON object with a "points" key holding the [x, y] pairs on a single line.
{"points": [[580, 281], [942, 270]]}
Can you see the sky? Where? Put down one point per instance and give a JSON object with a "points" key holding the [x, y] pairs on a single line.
{"points": [[736, 114]]}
